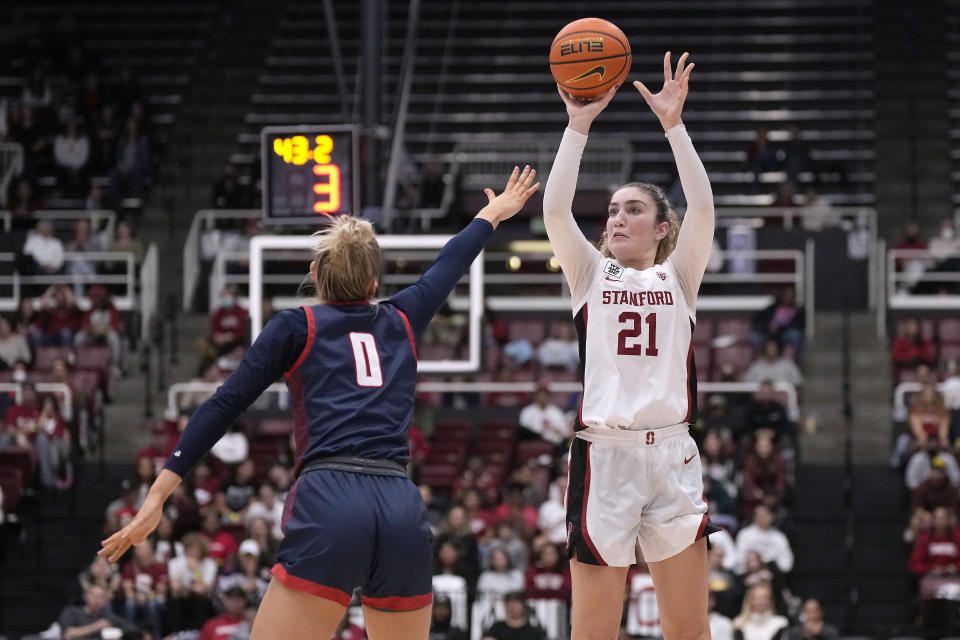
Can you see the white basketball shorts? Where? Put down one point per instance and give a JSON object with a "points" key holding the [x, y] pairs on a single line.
{"points": [[625, 487]]}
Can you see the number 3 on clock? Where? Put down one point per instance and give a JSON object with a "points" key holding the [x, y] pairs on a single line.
{"points": [[627, 343]]}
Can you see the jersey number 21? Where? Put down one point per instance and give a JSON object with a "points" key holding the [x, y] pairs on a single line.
{"points": [[627, 343], [367, 359]]}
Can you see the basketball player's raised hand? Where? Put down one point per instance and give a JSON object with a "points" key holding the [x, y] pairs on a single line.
{"points": [[519, 188], [668, 104], [582, 112]]}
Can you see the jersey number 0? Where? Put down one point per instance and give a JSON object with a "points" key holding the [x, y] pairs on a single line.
{"points": [[634, 328], [367, 359]]}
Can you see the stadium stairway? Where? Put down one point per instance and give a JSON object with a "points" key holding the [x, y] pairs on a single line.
{"points": [[58, 539], [822, 440], [874, 575]]}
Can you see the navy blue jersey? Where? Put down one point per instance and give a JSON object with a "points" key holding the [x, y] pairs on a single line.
{"points": [[350, 367]]}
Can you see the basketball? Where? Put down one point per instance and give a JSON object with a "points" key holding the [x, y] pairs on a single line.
{"points": [[589, 56]]}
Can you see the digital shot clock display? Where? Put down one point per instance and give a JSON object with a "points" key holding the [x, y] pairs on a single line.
{"points": [[309, 171]]}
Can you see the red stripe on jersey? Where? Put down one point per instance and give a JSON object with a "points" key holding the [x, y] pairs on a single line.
{"points": [[327, 593], [306, 347], [689, 390], [399, 603], [583, 512], [583, 368], [413, 345], [703, 526], [301, 437]]}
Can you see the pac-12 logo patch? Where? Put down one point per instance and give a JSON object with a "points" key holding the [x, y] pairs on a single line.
{"points": [[662, 275], [613, 270]]}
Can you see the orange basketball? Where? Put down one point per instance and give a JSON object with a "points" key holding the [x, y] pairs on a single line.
{"points": [[589, 56]]}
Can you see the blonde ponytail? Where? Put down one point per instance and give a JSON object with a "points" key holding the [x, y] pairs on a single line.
{"points": [[347, 258], [665, 213]]}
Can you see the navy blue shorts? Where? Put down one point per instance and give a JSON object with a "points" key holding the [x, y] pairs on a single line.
{"points": [[345, 530]]}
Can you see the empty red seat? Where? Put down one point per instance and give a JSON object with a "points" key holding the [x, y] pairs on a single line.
{"points": [[703, 331], [949, 351], [439, 475], [948, 329], [703, 358], [44, 357], [11, 482], [452, 429], [739, 355], [533, 331], [451, 452], [94, 358], [21, 459], [738, 328], [533, 449], [497, 430]]}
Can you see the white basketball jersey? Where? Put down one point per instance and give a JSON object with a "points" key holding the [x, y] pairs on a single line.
{"points": [[636, 348]]}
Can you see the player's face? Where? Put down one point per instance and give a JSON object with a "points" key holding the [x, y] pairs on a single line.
{"points": [[632, 228]]}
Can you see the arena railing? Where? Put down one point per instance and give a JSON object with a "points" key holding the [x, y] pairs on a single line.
{"points": [[58, 388], [431, 386], [149, 289], [919, 267], [125, 302], [204, 221], [102, 221], [901, 393]]}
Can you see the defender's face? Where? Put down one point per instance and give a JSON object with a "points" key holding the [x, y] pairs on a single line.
{"points": [[632, 228]]}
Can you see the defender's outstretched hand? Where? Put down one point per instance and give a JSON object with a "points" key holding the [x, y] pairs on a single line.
{"points": [[136, 531], [668, 103], [504, 206]]}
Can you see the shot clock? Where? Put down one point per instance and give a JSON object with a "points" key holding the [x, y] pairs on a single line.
{"points": [[309, 171]]}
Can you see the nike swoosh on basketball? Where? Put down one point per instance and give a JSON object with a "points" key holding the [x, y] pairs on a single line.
{"points": [[687, 461], [583, 76]]}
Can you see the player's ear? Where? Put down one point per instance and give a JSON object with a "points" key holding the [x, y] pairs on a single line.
{"points": [[661, 231], [313, 270], [372, 289]]}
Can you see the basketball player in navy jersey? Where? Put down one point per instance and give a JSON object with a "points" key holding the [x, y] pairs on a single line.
{"points": [[352, 519], [634, 475]]}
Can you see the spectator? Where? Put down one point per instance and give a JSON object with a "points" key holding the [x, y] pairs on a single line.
{"points": [[133, 163], [766, 412], [43, 250], [228, 193], [756, 571], [102, 574], [84, 241], [441, 622], [473, 500], [240, 491], [457, 531], [758, 620], [145, 584], [205, 485], [22, 420], [761, 156], [124, 507], [432, 186], [764, 475], [552, 517], [911, 239], [228, 324], [211, 373], [795, 155], [168, 547], [762, 537], [921, 464], [543, 419], [106, 131], [929, 417], [267, 506], [726, 592], [71, 151], [773, 365], [449, 583], [782, 321], [910, 348], [233, 447], [721, 627], [495, 583], [221, 546], [258, 530], [103, 324], [717, 464], [786, 195], [92, 618], [346, 630], [22, 201], [547, 578], [935, 491], [720, 506], [53, 446], [63, 317], [817, 212], [29, 323], [515, 510], [561, 349], [248, 576], [233, 620], [96, 199], [124, 240], [192, 577], [13, 345], [812, 625], [516, 623]]}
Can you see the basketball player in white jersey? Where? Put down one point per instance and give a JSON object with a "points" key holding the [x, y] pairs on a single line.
{"points": [[634, 474]]}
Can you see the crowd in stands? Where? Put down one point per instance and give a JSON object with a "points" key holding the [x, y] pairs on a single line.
{"points": [[943, 249], [83, 128]]}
